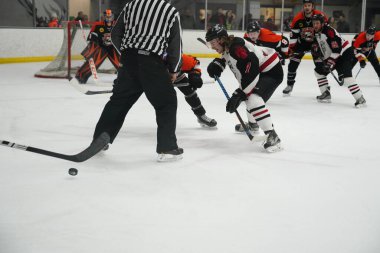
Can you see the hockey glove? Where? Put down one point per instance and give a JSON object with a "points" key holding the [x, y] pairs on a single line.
{"points": [[195, 79], [216, 67], [233, 103], [362, 64], [329, 65]]}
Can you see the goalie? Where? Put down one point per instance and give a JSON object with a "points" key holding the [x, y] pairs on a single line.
{"points": [[99, 47]]}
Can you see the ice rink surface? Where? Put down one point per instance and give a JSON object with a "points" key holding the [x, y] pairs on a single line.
{"points": [[320, 194]]}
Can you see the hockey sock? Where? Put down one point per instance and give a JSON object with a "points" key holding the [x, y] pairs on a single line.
{"points": [[323, 83], [292, 70], [193, 100], [291, 78], [256, 107], [353, 87]]}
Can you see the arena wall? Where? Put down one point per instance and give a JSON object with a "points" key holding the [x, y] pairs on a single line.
{"points": [[32, 45]]}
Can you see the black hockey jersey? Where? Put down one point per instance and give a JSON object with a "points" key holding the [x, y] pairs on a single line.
{"points": [[101, 34]]}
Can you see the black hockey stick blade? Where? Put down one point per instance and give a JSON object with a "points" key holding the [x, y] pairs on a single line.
{"points": [[202, 41], [97, 145], [82, 89]]}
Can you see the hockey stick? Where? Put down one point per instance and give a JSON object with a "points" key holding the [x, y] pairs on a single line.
{"points": [[202, 41], [250, 136], [90, 60], [81, 88], [358, 72], [187, 84], [336, 79], [97, 145]]}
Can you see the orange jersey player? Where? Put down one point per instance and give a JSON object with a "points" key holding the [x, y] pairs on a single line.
{"points": [[301, 39], [266, 38], [188, 81], [99, 47], [364, 45]]}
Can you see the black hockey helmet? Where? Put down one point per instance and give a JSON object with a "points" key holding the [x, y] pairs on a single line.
{"points": [[371, 30], [308, 2], [319, 17], [217, 31], [253, 27]]}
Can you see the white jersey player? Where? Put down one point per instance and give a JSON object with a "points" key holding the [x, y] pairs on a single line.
{"points": [[259, 72], [336, 53]]}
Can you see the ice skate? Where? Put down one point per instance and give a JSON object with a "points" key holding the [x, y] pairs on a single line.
{"points": [[206, 121], [252, 127], [273, 142], [170, 156], [325, 97], [287, 91], [360, 102]]}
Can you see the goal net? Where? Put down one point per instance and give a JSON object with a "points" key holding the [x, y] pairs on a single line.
{"points": [[69, 57]]}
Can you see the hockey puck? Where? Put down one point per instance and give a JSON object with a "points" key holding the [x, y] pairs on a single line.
{"points": [[73, 171]]}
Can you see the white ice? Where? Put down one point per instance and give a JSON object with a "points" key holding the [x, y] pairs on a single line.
{"points": [[320, 194]]}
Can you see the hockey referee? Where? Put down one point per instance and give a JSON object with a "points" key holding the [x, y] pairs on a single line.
{"points": [[145, 32]]}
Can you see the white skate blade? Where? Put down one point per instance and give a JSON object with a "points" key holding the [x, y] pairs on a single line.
{"points": [[259, 138], [324, 101], [168, 158], [360, 106], [286, 95], [275, 148], [207, 126]]}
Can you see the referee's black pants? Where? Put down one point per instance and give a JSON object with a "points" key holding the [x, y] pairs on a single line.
{"points": [[138, 73]]}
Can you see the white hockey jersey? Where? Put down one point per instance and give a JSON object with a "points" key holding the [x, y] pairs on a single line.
{"points": [[247, 61], [331, 44]]}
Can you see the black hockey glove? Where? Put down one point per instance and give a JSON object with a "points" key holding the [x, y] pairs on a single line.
{"points": [[362, 64], [195, 79], [233, 103], [216, 67]]}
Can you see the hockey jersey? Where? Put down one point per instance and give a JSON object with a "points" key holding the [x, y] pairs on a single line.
{"points": [[247, 61], [362, 45], [302, 28], [267, 38], [330, 43], [101, 34]]}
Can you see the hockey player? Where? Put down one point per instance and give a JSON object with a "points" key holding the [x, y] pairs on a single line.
{"points": [[336, 53], [99, 47], [301, 39], [364, 45], [266, 38], [191, 73], [259, 72]]}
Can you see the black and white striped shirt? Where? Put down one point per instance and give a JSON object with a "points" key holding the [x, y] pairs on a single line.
{"points": [[150, 25]]}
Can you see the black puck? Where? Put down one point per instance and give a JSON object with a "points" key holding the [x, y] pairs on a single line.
{"points": [[73, 171]]}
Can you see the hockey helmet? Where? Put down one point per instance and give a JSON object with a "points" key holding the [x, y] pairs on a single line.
{"points": [[108, 16], [253, 27], [371, 30], [308, 1], [319, 17], [217, 31]]}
